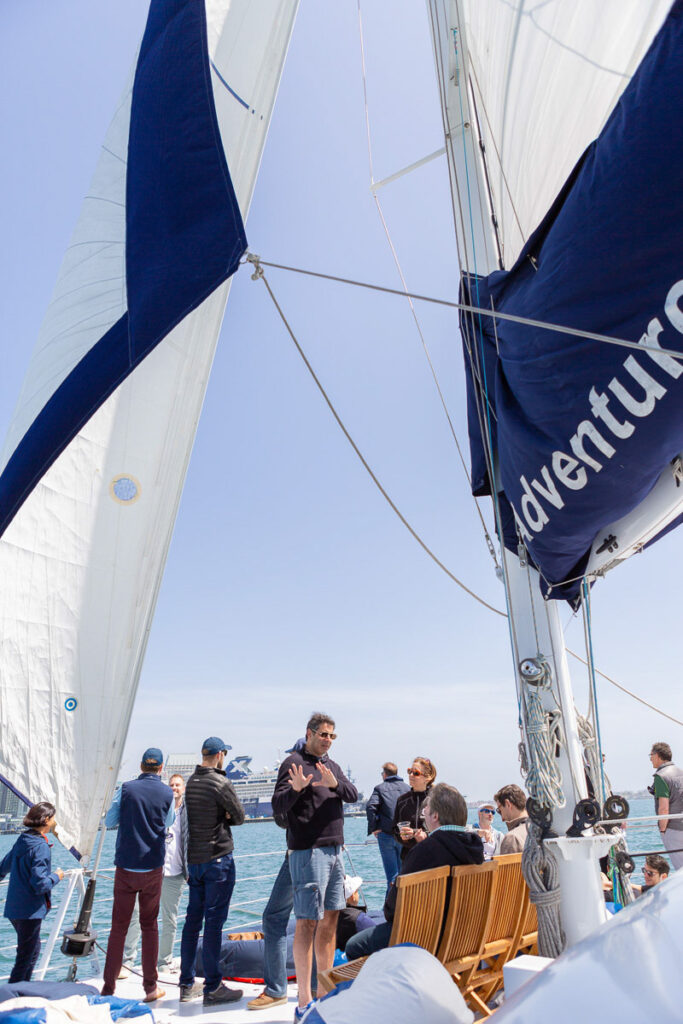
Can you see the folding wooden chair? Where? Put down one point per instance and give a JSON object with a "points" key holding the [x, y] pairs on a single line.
{"points": [[509, 903], [467, 919], [420, 903]]}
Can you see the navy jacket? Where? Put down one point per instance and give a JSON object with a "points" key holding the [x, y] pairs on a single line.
{"points": [[31, 879], [141, 839], [315, 815], [382, 804]]}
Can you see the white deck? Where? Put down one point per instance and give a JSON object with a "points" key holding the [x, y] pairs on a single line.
{"points": [[169, 1009]]}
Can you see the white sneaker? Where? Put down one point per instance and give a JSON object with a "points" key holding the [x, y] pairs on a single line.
{"points": [[123, 973]]}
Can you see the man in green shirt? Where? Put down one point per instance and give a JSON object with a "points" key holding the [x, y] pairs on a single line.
{"points": [[667, 790]]}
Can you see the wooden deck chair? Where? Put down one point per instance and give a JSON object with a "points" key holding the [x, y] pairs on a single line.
{"points": [[528, 941], [420, 904], [508, 909], [467, 919]]}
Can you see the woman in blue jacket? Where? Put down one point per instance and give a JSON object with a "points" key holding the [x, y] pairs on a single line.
{"points": [[31, 880]]}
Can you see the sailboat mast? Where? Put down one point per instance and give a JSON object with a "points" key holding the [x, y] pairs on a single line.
{"points": [[542, 677]]}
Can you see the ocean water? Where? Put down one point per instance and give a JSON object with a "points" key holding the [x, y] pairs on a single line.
{"points": [[259, 849]]}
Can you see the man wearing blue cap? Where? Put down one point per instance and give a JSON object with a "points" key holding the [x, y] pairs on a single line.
{"points": [[211, 805], [143, 810]]}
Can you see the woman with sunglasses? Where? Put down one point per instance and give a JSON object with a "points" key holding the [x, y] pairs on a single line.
{"points": [[408, 813], [31, 880]]}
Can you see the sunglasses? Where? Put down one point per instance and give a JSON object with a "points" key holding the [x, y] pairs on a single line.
{"points": [[413, 771], [649, 872], [327, 735], [486, 810]]}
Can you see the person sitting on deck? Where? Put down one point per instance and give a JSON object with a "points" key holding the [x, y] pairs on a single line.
{"points": [[655, 870], [490, 836], [511, 805], [448, 843]]}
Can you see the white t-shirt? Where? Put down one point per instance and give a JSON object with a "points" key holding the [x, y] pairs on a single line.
{"points": [[173, 863]]}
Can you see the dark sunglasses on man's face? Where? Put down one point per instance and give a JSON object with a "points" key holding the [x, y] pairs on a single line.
{"points": [[327, 735], [486, 810]]}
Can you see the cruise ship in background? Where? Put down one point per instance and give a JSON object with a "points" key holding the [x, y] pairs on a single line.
{"points": [[254, 788]]}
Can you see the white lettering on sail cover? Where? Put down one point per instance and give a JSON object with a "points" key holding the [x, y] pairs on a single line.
{"points": [[638, 397]]}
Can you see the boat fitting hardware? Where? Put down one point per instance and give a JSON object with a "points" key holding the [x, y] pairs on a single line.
{"points": [[532, 670], [586, 815], [542, 817], [625, 862], [616, 808]]}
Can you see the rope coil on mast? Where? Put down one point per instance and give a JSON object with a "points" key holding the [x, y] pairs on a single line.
{"points": [[544, 734]]}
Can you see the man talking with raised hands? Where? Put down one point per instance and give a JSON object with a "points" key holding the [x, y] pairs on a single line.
{"points": [[310, 791]]}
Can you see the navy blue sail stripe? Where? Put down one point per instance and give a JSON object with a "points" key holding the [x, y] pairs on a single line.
{"points": [[583, 431], [184, 233]]}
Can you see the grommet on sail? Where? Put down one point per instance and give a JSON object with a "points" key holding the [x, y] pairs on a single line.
{"points": [[98, 447]]}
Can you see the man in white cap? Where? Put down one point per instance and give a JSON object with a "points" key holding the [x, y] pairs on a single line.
{"points": [[354, 917], [490, 836]]}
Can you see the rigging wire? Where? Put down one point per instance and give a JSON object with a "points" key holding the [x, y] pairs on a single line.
{"points": [[630, 693], [259, 275], [495, 314], [380, 211]]}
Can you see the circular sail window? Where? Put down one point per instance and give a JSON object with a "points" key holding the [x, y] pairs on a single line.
{"points": [[70, 703], [124, 489]]}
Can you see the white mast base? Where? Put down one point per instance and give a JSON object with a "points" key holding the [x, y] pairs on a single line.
{"points": [[575, 857]]}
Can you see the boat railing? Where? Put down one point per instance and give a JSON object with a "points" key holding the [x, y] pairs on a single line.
{"points": [[243, 915]]}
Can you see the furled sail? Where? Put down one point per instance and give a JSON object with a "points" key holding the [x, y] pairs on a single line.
{"points": [[99, 444], [586, 431]]}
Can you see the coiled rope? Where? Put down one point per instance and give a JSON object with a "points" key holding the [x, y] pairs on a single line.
{"points": [[544, 737], [539, 868]]}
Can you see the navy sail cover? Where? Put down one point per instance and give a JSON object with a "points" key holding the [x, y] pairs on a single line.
{"points": [[583, 429]]}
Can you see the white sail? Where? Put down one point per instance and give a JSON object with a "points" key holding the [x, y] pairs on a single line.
{"points": [[82, 560], [544, 77]]}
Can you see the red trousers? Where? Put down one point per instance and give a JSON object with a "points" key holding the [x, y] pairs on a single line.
{"points": [[146, 885]]}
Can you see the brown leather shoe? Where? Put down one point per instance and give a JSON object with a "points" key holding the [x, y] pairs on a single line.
{"points": [[152, 997], [264, 1001]]}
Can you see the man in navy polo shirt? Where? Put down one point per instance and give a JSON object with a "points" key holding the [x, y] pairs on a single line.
{"points": [[143, 809]]}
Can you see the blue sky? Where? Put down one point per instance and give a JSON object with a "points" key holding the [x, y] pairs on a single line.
{"points": [[290, 584]]}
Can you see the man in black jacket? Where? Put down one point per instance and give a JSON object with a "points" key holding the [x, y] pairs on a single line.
{"points": [[211, 805], [448, 844], [380, 814], [311, 790]]}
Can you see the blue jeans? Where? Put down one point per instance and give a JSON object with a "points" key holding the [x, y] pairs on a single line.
{"points": [[368, 941], [28, 948], [211, 886], [275, 919], [390, 852]]}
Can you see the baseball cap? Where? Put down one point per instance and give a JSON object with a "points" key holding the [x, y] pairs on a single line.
{"points": [[352, 883], [215, 745], [152, 758]]}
